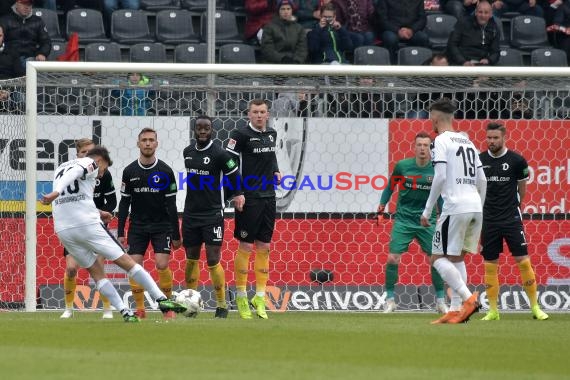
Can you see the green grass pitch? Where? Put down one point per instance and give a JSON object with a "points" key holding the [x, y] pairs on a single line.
{"points": [[287, 346]]}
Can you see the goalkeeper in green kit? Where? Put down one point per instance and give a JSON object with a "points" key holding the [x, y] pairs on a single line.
{"points": [[413, 177]]}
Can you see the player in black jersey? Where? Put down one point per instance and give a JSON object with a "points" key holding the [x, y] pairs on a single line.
{"points": [[105, 200], [149, 188], [254, 144], [203, 218], [507, 173]]}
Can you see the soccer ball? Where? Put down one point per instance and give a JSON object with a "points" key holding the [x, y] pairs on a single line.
{"points": [[192, 300]]}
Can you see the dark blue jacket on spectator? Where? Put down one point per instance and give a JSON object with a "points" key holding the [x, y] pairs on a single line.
{"points": [[328, 44], [396, 14]]}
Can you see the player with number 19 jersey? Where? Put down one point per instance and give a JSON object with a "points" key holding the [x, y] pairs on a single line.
{"points": [[459, 192], [75, 207]]}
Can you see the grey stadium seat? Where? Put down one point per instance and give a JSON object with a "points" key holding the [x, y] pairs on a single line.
{"points": [[237, 53], [413, 55], [191, 53], [528, 33], [226, 28], [87, 23], [174, 27], [153, 53], [438, 28], [548, 57], [510, 57], [158, 5], [103, 52], [130, 26], [371, 55], [52, 23]]}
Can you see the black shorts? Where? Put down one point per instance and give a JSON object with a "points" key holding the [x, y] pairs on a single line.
{"points": [[139, 238], [493, 235], [256, 221], [210, 234]]}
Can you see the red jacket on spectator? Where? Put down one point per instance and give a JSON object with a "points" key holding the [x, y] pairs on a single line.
{"points": [[258, 13]]}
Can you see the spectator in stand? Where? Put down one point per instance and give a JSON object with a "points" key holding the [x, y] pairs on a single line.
{"points": [[135, 99], [258, 13], [402, 21], [525, 7], [109, 6], [284, 39], [308, 13], [10, 66], [475, 39], [25, 33], [357, 16], [329, 41], [458, 8], [550, 7], [561, 25]]}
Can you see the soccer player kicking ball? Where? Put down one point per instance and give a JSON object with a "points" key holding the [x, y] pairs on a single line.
{"points": [[412, 177], [460, 180], [507, 173], [203, 218], [79, 227], [105, 200]]}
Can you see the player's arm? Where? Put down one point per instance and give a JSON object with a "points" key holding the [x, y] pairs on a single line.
{"points": [[522, 178], [440, 174], [389, 190], [109, 196], [481, 184], [276, 173], [230, 169], [234, 147], [124, 206], [66, 177], [170, 200]]}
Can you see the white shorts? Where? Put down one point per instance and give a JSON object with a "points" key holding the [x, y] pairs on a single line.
{"points": [[457, 233], [86, 242]]}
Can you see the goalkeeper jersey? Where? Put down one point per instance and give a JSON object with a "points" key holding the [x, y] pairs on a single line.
{"points": [[413, 184]]}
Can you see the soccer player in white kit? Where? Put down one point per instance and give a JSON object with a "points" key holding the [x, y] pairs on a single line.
{"points": [[79, 227], [461, 181]]}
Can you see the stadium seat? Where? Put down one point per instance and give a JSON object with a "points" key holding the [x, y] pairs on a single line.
{"points": [[438, 28], [237, 53], [548, 57], [528, 33], [52, 23], [191, 53], [130, 26], [371, 55], [510, 57], [158, 5], [149, 53], [199, 6], [413, 55], [226, 28], [57, 49], [103, 52], [174, 27], [87, 23]]}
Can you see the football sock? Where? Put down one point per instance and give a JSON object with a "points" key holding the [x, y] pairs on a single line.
{"points": [[391, 279], [241, 265], [529, 281], [437, 282], [108, 290], [143, 279], [138, 294], [492, 284], [106, 302], [192, 274], [69, 285], [261, 267], [452, 276], [165, 281], [218, 277]]}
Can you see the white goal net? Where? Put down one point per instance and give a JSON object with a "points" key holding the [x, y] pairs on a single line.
{"points": [[340, 131]]}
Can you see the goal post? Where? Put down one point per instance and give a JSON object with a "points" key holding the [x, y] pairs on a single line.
{"points": [[347, 127]]}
